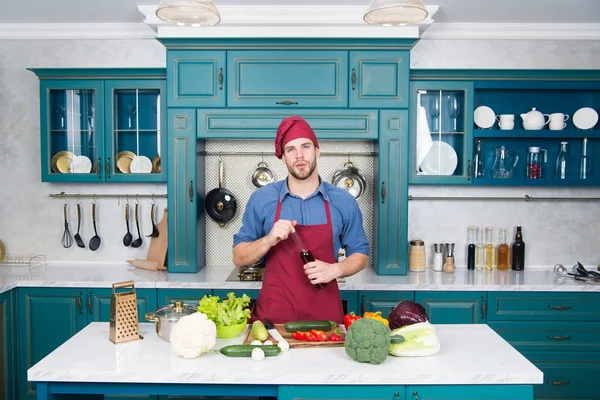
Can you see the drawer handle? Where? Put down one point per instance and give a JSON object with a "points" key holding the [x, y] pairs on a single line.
{"points": [[470, 170], [286, 103], [353, 78], [220, 78], [396, 396], [560, 307], [558, 383], [383, 192], [567, 337], [416, 395], [191, 191]]}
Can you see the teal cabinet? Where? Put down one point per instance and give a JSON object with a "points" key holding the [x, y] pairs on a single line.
{"points": [[188, 296], [102, 125], [287, 78], [441, 133], [379, 79], [391, 195], [196, 78], [446, 392], [185, 206], [349, 301], [339, 392], [543, 306], [66, 311], [8, 364], [454, 307], [383, 301]]}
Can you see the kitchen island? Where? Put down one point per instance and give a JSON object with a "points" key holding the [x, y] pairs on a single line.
{"points": [[474, 361]]}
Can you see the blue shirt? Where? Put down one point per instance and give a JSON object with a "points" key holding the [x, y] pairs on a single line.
{"points": [[346, 217]]}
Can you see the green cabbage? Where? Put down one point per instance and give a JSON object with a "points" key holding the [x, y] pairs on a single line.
{"points": [[419, 340]]}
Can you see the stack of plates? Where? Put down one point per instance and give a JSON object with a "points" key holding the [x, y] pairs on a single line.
{"points": [[81, 165], [61, 162]]}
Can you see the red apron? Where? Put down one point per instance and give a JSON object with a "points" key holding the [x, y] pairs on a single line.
{"points": [[287, 294]]}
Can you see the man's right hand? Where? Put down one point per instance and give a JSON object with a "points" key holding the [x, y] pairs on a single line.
{"points": [[280, 231]]}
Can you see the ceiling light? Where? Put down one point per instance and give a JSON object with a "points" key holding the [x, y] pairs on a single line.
{"points": [[395, 12], [194, 13]]}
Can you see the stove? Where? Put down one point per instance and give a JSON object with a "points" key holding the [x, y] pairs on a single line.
{"points": [[250, 273]]}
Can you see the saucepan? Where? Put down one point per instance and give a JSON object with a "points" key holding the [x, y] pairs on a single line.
{"points": [[220, 204], [350, 179], [166, 317]]}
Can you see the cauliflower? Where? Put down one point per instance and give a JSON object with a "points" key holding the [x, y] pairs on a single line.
{"points": [[193, 335], [368, 341]]}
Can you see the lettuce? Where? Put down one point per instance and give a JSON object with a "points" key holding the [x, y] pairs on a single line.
{"points": [[419, 340], [231, 311]]}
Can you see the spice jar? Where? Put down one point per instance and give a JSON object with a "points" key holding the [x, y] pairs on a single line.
{"points": [[438, 257], [416, 255]]}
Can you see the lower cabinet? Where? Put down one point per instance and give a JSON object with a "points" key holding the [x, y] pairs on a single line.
{"points": [[7, 346], [453, 307], [383, 301]]}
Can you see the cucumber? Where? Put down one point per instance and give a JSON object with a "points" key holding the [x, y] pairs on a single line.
{"points": [[245, 350], [259, 331], [305, 326]]}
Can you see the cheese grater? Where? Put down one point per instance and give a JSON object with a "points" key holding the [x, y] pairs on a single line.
{"points": [[123, 314]]}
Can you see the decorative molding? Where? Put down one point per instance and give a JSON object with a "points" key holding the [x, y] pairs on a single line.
{"points": [[520, 31], [76, 31]]}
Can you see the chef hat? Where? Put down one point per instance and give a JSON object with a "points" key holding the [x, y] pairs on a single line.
{"points": [[293, 128]]}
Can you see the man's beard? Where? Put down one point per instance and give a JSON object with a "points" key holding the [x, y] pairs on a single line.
{"points": [[303, 174]]}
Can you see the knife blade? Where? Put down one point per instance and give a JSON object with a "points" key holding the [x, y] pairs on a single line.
{"points": [[272, 330]]}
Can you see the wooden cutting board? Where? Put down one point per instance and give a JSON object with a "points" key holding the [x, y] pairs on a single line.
{"points": [[158, 245], [293, 342]]}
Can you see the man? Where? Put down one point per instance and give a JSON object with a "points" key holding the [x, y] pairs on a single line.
{"points": [[324, 216]]}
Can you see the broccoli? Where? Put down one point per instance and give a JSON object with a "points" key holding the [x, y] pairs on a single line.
{"points": [[368, 341]]}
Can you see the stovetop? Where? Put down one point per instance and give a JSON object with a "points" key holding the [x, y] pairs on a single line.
{"points": [[241, 274]]}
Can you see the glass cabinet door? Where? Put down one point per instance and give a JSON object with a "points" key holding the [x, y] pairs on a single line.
{"points": [[136, 136], [70, 150], [441, 132]]}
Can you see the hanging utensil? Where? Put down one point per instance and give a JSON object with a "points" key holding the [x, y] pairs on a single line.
{"points": [[128, 237], [67, 239], [95, 240], [78, 238], [350, 179], [137, 242], [155, 232], [220, 204], [262, 175]]}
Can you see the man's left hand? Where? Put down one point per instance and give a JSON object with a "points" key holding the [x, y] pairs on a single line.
{"points": [[321, 272]]}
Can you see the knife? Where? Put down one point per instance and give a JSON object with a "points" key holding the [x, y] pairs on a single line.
{"points": [[272, 330]]}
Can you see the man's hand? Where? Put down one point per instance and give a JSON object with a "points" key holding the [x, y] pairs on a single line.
{"points": [[321, 272], [280, 231]]}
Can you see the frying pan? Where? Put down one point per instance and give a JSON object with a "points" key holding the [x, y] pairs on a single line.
{"points": [[220, 204]]}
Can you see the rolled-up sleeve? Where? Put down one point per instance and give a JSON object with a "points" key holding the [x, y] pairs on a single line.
{"points": [[353, 238], [251, 229]]}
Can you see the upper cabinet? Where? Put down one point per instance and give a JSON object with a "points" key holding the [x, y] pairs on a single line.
{"points": [[102, 125]]}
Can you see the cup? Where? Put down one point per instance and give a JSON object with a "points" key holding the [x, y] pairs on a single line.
{"points": [[558, 121], [506, 121]]}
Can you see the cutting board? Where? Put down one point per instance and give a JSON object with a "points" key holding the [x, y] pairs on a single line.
{"points": [[158, 245], [293, 342]]}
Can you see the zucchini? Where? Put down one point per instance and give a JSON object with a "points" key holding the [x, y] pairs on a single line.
{"points": [[245, 350], [259, 331], [306, 326]]}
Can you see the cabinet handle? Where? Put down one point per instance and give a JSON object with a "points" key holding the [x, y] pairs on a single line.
{"points": [[98, 167], [191, 191], [483, 308], [383, 192], [416, 395], [353, 78], [79, 303], [89, 302], [470, 170], [108, 167], [566, 337], [558, 383], [396, 396], [362, 305], [286, 103], [560, 307], [220, 78]]}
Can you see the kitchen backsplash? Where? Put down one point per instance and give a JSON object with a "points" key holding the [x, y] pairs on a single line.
{"points": [[30, 221]]}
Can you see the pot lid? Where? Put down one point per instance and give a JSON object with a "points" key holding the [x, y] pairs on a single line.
{"points": [[175, 310]]}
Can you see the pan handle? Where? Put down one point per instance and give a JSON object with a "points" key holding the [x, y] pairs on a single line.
{"points": [[220, 173]]}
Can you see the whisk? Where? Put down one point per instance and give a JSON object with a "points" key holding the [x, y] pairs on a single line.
{"points": [[67, 239]]}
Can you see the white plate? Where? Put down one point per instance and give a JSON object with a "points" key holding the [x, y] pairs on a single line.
{"points": [[81, 165], [140, 165], [585, 118], [441, 159], [484, 117]]}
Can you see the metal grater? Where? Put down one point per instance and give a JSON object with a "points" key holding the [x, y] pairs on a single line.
{"points": [[123, 314]]}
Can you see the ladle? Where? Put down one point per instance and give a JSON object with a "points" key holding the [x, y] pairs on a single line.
{"points": [[95, 240], [137, 242], [78, 238], [155, 232], [128, 236]]}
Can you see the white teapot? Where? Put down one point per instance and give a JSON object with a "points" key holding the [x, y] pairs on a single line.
{"points": [[534, 120]]}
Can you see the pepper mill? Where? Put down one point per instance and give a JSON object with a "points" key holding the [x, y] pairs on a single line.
{"points": [[449, 265]]}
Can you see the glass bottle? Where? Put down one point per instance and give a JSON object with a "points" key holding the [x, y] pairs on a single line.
{"points": [[562, 165], [471, 249], [503, 252], [489, 250], [479, 161], [518, 251], [534, 162], [479, 250], [584, 166]]}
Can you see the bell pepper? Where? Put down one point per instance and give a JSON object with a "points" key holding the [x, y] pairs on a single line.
{"points": [[377, 317], [350, 318]]}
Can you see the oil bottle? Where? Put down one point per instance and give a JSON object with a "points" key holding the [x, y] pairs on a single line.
{"points": [[489, 250], [518, 251], [479, 250], [503, 252]]}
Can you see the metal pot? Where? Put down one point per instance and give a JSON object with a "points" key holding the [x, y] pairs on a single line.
{"points": [[350, 179], [167, 316], [220, 204], [262, 175]]}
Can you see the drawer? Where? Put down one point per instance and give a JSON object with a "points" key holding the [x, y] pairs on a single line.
{"points": [[543, 306], [567, 375], [577, 336]]}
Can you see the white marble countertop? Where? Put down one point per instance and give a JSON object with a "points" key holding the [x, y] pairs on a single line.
{"points": [[214, 277], [469, 355]]}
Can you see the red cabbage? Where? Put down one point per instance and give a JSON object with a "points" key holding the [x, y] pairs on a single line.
{"points": [[406, 312]]}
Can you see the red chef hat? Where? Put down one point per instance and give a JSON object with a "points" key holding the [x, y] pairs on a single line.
{"points": [[293, 128]]}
